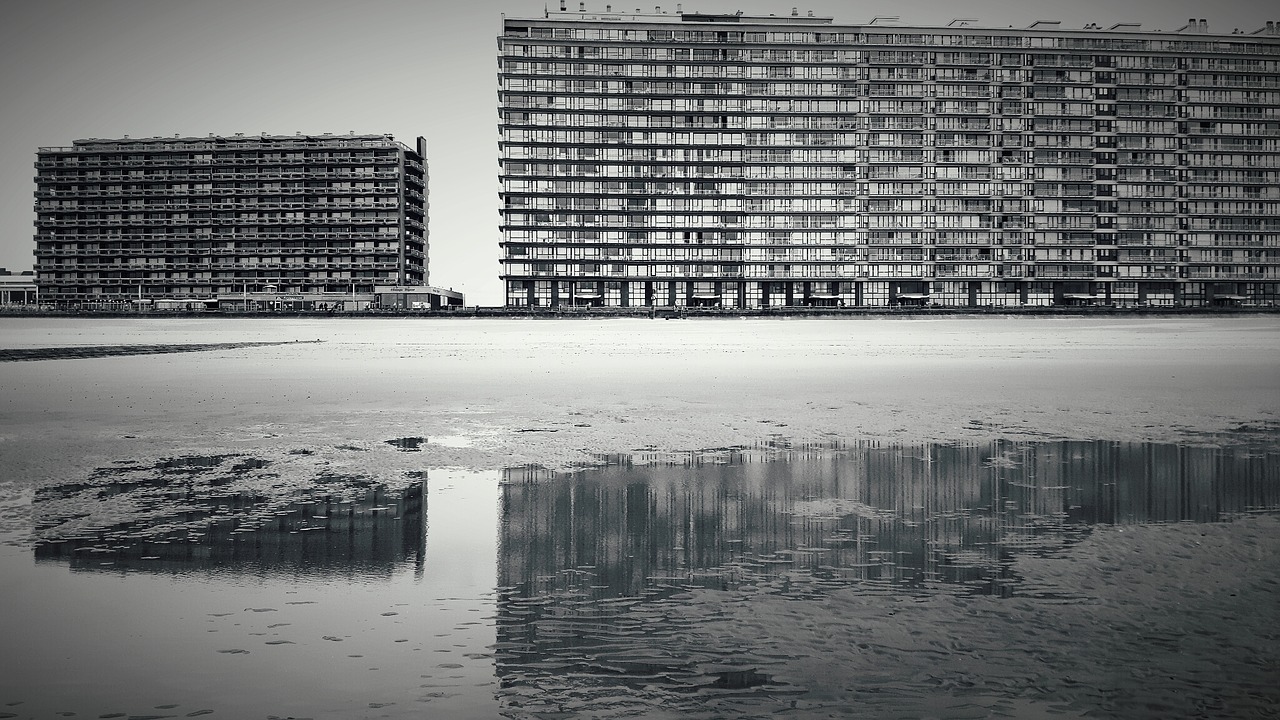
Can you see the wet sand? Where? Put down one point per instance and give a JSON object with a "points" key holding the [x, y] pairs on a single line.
{"points": [[495, 393]]}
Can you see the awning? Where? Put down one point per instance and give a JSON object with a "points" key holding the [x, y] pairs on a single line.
{"points": [[586, 294], [1084, 296], [822, 296], [705, 297], [1230, 297], [913, 296]]}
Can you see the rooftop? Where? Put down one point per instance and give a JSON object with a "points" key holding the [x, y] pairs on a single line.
{"points": [[676, 14], [216, 142]]}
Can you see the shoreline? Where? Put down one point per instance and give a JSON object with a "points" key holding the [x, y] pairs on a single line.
{"points": [[673, 313], [503, 392]]}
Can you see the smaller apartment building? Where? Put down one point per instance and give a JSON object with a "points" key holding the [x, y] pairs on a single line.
{"points": [[194, 218]]}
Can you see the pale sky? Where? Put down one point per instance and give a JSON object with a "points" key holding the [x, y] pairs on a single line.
{"points": [[73, 69]]}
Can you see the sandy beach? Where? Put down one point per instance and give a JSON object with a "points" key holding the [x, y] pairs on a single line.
{"points": [[496, 393]]}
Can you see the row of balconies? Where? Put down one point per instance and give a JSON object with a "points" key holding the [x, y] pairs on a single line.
{"points": [[223, 237], [876, 218], [219, 176], [896, 70], [978, 272], [78, 163], [1026, 140], [208, 206], [202, 267], [47, 192], [211, 253], [1102, 190], [617, 248], [592, 120], [1271, 226], [910, 268], [865, 254], [912, 271], [205, 222], [311, 174], [927, 155], [844, 191], [151, 284], [880, 255], [1174, 100]]}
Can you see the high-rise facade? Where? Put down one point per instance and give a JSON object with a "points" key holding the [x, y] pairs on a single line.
{"points": [[192, 218], [733, 161]]}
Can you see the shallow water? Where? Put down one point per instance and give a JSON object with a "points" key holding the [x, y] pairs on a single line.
{"points": [[940, 580]]}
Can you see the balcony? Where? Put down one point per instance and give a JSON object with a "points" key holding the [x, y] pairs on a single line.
{"points": [[967, 272], [1080, 273], [1197, 273]]}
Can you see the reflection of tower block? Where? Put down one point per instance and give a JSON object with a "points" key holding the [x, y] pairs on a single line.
{"points": [[882, 566], [369, 530]]}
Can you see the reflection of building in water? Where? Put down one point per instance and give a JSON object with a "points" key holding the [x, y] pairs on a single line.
{"points": [[592, 564], [918, 514], [369, 532]]}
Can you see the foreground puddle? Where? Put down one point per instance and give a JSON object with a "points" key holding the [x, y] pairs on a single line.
{"points": [[975, 580]]}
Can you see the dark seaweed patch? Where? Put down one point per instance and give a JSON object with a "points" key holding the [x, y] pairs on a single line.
{"points": [[98, 351]]}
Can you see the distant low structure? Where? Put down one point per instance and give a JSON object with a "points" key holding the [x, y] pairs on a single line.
{"points": [[411, 297], [193, 221], [18, 289], [383, 297]]}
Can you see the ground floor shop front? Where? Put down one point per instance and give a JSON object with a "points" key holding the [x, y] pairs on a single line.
{"points": [[733, 294]]}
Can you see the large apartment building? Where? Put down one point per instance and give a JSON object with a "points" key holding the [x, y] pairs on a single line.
{"points": [[674, 158], [193, 218]]}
